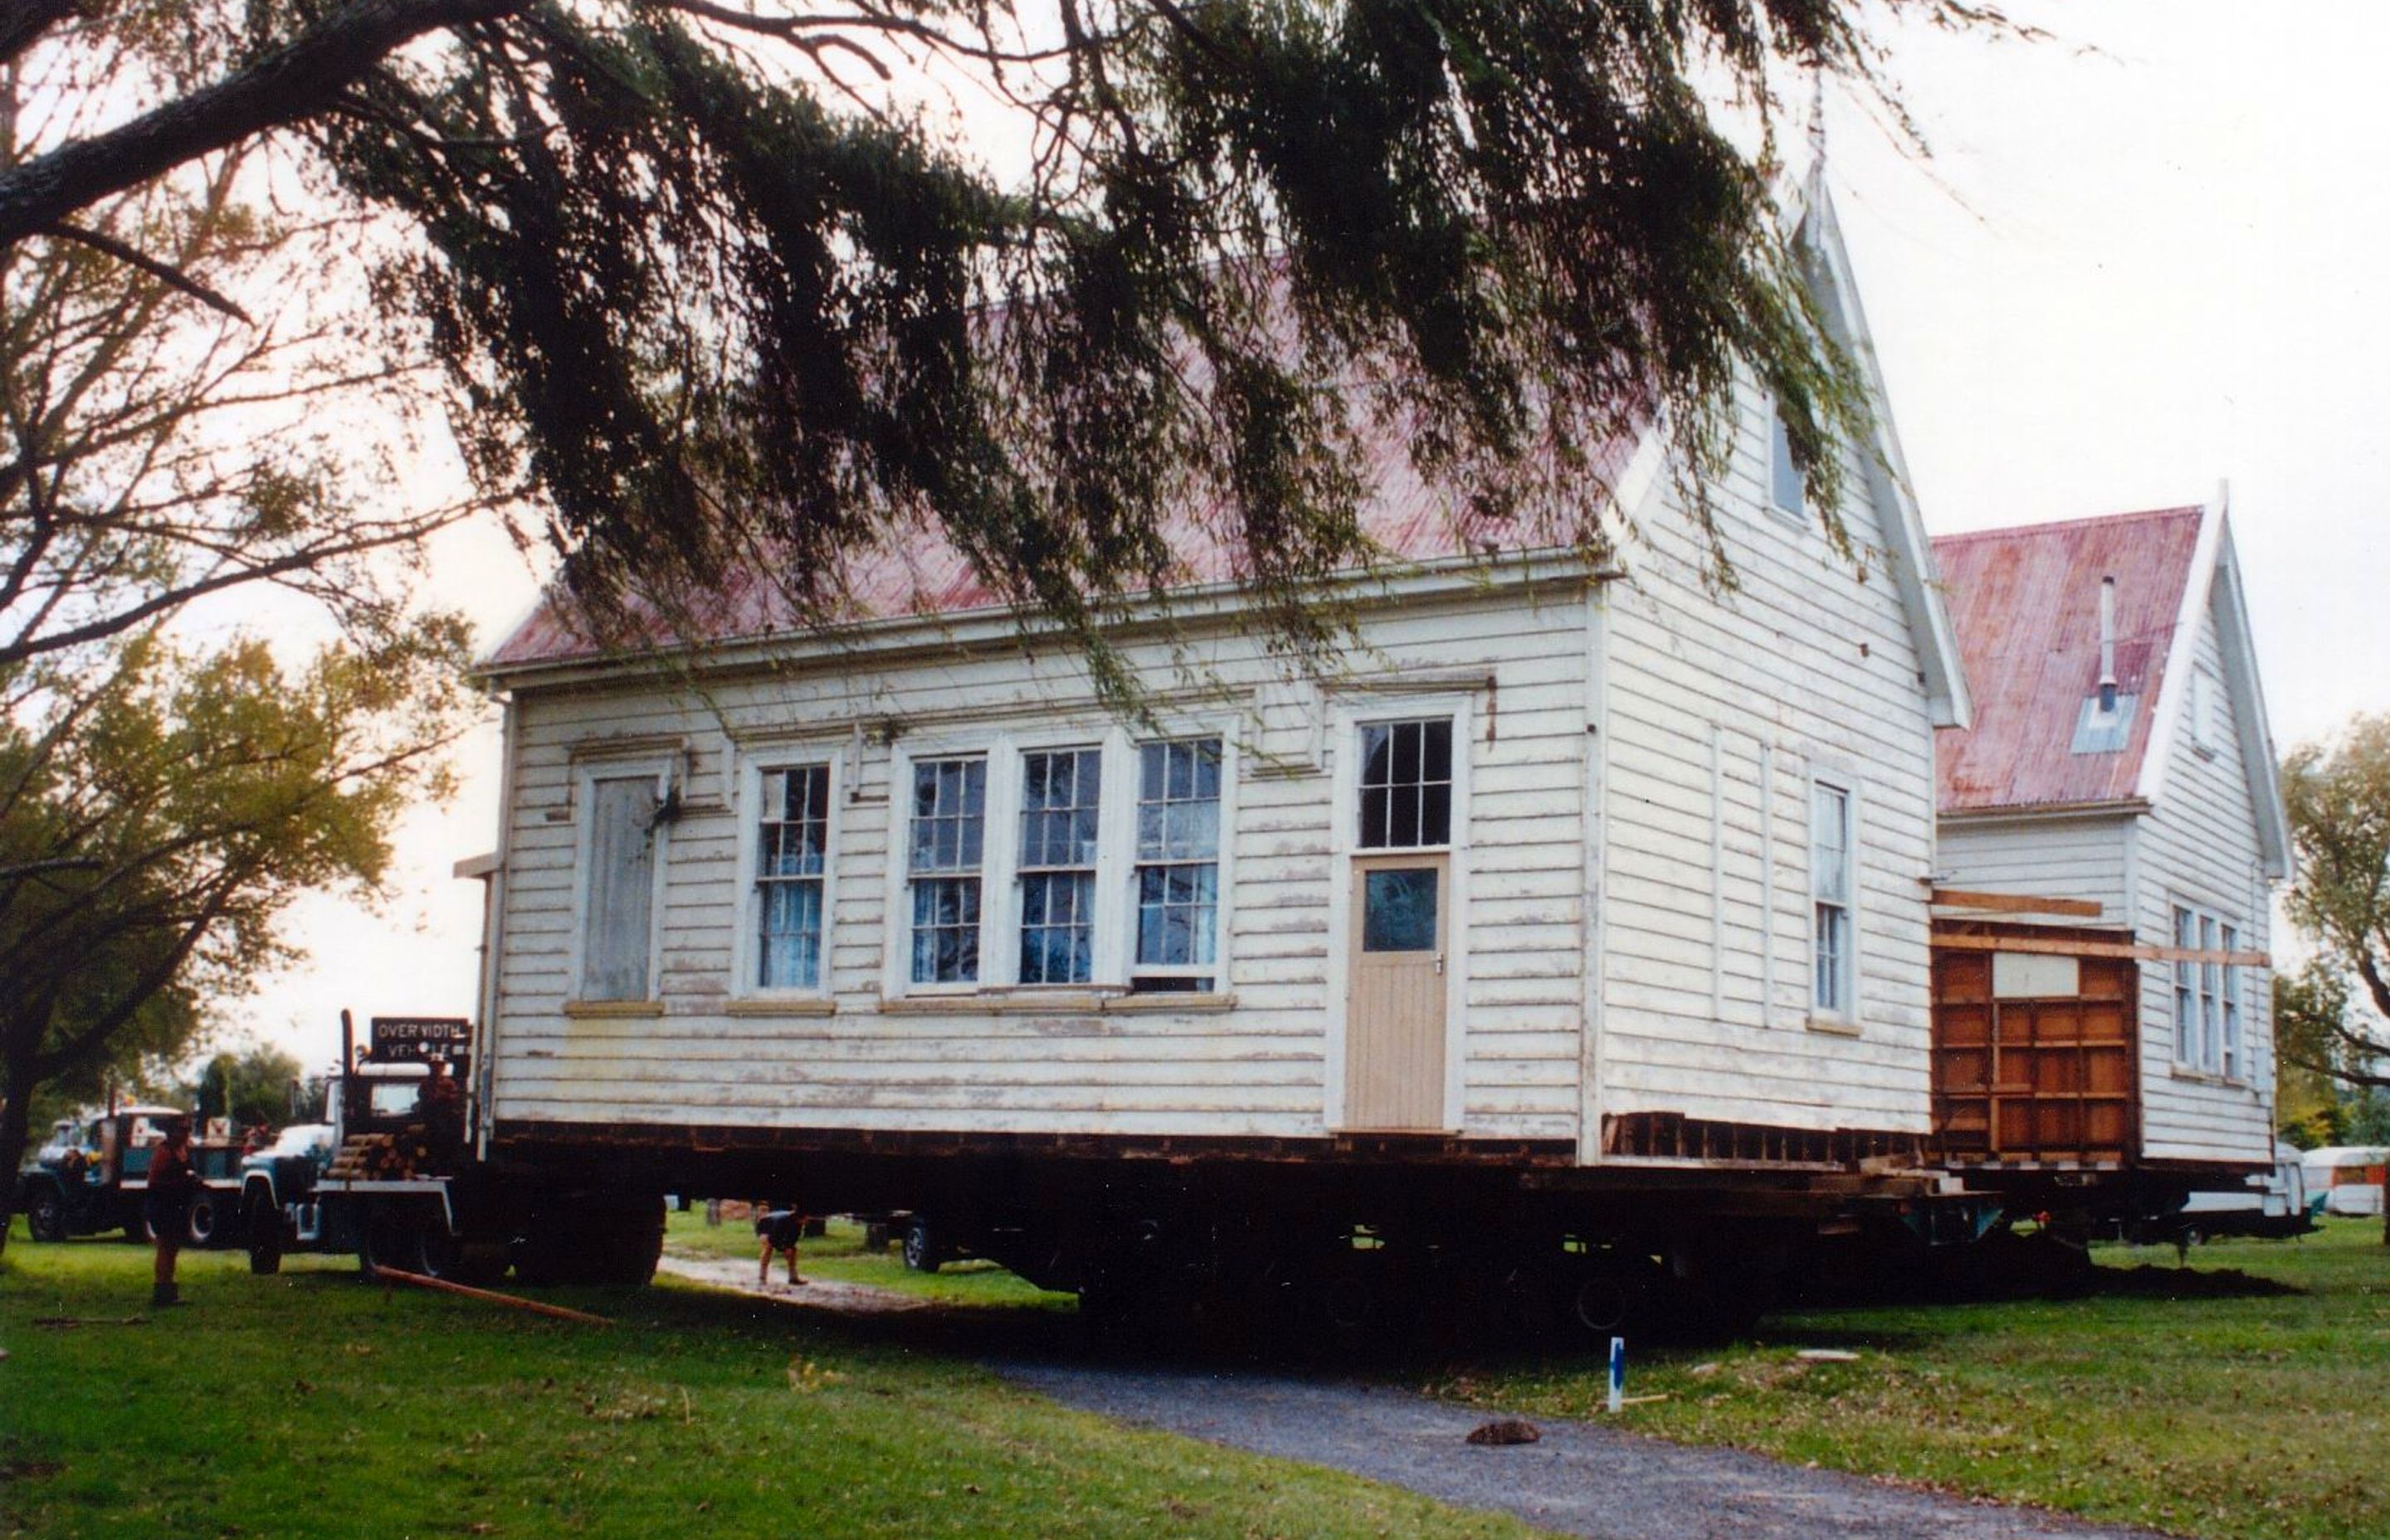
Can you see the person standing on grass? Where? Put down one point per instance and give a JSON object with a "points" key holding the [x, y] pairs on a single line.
{"points": [[167, 1206], [780, 1230]]}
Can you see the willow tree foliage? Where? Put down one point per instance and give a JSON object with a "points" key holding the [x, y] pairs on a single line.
{"points": [[719, 287]]}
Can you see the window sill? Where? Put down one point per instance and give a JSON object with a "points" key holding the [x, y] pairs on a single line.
{"points": [[1073, 1003], [2210, 1077], [1163, 1003], [799, 1004], [1835, 1026], [593, 1010]]}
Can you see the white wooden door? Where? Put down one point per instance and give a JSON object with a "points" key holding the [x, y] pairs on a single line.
{"points": [[1393, 1033]]}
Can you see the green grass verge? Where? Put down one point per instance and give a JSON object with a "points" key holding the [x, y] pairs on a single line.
{"points": [[316, 1405], [2225, 1415], [839, 1257]]}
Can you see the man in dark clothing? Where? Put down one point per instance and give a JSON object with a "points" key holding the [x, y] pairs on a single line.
{"points": [[167, 1205], [780, 1230], [440, 1104]]}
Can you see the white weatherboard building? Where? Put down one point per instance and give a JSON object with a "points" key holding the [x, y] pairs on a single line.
{"points": [[2120, 758], [1560, 862]]}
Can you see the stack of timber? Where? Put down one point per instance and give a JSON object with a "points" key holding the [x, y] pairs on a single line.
{"points": [[383, 1157]]}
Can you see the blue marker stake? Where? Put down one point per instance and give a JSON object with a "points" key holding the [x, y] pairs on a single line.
{"points": [[1617, 1374]]}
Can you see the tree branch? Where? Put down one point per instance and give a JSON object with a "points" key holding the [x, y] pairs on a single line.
{"points": [[294, 82], [26, 22], [171, 277]]}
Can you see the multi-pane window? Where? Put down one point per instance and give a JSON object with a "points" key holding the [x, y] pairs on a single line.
{"points": [[792, 856], [617, 920], [1829, 893], [1060, 797], [2206, 994], [949, 827], [1785, 491], [1405, 784], [1178, 865], [2227, 938]]}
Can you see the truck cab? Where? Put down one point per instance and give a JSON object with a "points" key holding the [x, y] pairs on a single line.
{"points": [[92, 1174], [379, 1175]]}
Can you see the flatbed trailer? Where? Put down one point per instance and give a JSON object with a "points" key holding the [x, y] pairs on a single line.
{"points": [[1347, 1237]]}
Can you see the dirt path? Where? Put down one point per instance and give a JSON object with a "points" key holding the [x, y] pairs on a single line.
{"points": [[845, 1299], [1582, 1478]]}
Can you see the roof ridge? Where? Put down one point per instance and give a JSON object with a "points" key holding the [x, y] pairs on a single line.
{"points": [[2055, 526]]}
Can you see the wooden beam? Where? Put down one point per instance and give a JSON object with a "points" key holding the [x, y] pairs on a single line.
{"points": [[2131, 950], [513, 1301], [2012, 904]]}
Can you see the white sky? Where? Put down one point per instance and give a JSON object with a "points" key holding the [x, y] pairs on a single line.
{"points": [[2145, 257]]}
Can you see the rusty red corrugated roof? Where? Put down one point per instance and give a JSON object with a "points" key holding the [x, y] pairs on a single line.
{"points": [[2026, 603], [1404, 517]]}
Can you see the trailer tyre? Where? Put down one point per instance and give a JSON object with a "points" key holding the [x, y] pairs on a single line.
{"points": [[922, 1253], [46, 1212]]}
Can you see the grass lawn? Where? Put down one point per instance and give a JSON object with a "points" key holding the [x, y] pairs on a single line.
{"points": [[2235, 1415], [316, 1405], [839, 1256]]}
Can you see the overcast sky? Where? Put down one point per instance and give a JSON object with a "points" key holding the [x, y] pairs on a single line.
{"points": [[2145, 257]]}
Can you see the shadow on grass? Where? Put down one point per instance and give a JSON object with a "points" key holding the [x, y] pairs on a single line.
{"points": [[2149, 1282]]}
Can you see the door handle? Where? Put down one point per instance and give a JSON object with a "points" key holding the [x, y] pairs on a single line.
{"points": [[1439, 965]]}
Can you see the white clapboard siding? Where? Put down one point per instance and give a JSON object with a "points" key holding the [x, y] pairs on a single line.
{"points": [[1259, 1069], [2083, 857], [2198, 845], [1810, 666]]}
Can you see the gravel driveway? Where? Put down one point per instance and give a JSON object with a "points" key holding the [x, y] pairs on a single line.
{"points": [[1581, 1479]]}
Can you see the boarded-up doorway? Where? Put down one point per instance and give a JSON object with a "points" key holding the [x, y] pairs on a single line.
{"points": [[1395, 1047], [2035, 1057]]}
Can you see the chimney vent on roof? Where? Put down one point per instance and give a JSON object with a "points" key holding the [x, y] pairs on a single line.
{"points": [[2107, 644]]}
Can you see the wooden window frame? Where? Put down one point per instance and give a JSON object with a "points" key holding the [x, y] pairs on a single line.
{"points": [[1091, 869], [2215, 1025], [746, 941], [1137, 972], [1780, 462], [1114, 929], [1843, 1014]]}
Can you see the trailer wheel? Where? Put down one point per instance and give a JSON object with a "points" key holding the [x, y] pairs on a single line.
{"points": [[1604, 1297], [626, 1243], [46, 1214], [921, 1245], [261, 1230], [204, 1226]]}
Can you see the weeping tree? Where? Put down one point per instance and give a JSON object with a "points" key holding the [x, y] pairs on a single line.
{"points": [[716, 286]]}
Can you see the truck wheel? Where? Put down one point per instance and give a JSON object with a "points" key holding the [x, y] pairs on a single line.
{"points": [[262, 1231], [383, 1241], [204, 1224], [46, 1214], [921, 1245]]}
